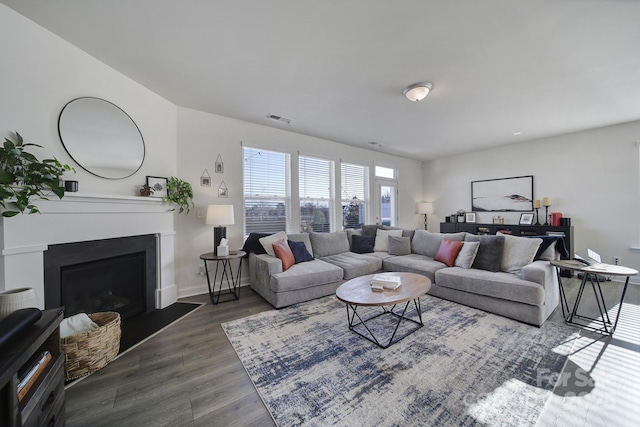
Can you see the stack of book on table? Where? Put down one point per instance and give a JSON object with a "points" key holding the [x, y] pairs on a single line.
{"points": [[380, 282], [31, 371]]}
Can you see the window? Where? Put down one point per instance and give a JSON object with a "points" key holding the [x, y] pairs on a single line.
{"points": [[382, 172], [267, 191], [316, 203], [354, 195], [388, 204]]}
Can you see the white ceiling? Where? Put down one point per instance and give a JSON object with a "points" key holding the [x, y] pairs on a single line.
{"points": [[337, 68]]}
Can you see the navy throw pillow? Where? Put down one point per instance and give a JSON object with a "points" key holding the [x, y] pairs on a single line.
{"points": [[252, 244], [362, 244], [300, 252]]}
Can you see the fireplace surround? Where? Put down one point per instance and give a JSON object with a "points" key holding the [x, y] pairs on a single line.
{"points": [[116, 274], [80, 217]]}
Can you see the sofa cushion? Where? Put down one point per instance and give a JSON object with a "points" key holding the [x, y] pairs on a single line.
{"points": [[283, 252], [362, 244], [518, 252], [327, 244], [413, 263], [382, 239], [489, 256], [448, 252], [426, 243], [355, 265], [497, 285], [268, 241], [305, 275], [467, 254], [300, 252], [399, 245], [405, 232]]}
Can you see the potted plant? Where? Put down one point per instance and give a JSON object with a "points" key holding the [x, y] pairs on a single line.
{"points": [[23, 177], [180, 193]]}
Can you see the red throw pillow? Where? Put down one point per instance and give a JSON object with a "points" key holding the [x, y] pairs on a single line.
{"points": [[448, 252], [283, 251]]}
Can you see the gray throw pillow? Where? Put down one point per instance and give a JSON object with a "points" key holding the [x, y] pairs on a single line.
{"points": [[467, 254], [350, 233], [399, 245], [489, 256], [327, 244], [370, 230], [518, 252]]}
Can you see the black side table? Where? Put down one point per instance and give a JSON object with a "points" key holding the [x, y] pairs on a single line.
{"points": [[226, 275]]}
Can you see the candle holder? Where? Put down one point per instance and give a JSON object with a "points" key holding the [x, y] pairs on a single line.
{"points": [[546, 214], [537, 218]]}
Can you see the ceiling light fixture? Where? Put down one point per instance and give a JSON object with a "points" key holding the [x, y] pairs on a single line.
{"points": [[418, 91]]}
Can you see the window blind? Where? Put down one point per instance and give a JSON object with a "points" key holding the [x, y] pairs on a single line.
{"points": [[316, 202], [267, 191], [354, 194]]}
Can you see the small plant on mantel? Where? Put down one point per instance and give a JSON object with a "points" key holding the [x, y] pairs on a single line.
{"points": [[180, 193], [23, 177]]}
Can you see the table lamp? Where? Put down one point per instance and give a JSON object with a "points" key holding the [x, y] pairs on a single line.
{"points": [[219, 216], [425, 208]]}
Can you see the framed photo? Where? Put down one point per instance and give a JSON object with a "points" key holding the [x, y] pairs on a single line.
{"points": [[205, 181], [470, 217], [503, 194], [159, 186], [526, 218], [222, 192]]}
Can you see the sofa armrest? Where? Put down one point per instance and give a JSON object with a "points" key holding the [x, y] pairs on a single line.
{"points": [[262, 267], [543, 273]]}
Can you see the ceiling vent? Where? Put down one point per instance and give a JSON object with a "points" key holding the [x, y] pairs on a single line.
{"points": [[279, 119]]}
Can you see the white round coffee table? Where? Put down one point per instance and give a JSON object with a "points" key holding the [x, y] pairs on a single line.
{"points": [[358, 293]]}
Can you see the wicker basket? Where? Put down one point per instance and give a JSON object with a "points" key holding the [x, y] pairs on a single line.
{"points": [[87, 352]]}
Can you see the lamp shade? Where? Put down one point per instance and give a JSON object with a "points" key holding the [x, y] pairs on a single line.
{"points": [[220, 215], [425, 208]]}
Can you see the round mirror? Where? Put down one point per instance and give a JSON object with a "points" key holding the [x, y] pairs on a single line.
{"points": [[101, 138]]}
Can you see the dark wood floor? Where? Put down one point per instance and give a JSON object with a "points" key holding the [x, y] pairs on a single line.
{"points": [[189, 375]]}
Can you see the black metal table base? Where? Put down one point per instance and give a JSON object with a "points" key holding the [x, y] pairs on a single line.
{"points": [[352, 314], [572, 317], [226, 276]]}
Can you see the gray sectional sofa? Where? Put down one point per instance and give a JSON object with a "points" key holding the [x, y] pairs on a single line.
{"points": [[502, 277]]}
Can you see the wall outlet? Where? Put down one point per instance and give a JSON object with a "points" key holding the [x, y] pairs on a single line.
{"points": [[199, 213], [201, 271], [616, 260]]}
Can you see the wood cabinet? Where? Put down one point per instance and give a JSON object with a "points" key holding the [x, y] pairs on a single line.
{"points": [[43, 405]]}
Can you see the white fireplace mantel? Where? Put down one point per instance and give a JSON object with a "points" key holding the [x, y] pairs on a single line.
{"points": [[81, 217]]}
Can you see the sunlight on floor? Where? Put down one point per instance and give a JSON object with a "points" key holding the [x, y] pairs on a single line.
{"points": [[600, 385]]}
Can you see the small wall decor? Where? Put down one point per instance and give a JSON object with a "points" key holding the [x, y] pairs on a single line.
{"points": [[470, 217], [205, 179], [222, 190], [159, 186], [219, 164]]}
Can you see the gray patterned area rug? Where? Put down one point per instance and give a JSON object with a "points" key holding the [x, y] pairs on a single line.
{"points": [[464, 367]]}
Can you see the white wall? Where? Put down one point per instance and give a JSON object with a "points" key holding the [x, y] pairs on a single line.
{"points": [[41, 73], [592, 177], [202, 137]]}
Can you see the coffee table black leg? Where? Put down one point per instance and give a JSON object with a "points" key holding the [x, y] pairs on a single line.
{"points": [[352, 325]]}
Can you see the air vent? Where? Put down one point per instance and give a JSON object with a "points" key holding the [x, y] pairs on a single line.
{"points": [[279, 119]]}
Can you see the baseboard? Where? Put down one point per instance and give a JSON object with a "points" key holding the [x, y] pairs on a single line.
{"points": [[200, 289]]}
